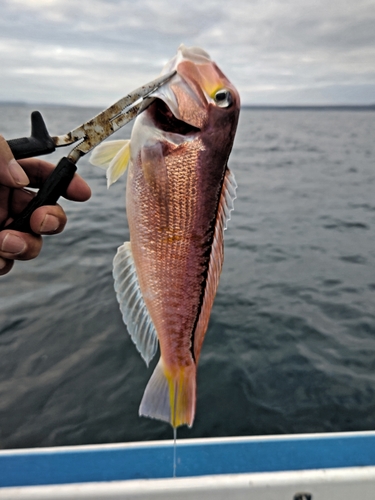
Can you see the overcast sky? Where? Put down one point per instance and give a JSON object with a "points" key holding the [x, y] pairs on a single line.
{"points": [[91, 52]]}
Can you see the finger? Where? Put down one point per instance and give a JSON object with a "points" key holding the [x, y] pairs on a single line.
{"points": [[4, 202], [78, 189], [5, 266], [11, 173], [20, 198], [15, 245], [48, 220], [38, 170]]}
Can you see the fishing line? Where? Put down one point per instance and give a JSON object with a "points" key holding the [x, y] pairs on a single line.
{"points": [[174, 429], [174, 451]]}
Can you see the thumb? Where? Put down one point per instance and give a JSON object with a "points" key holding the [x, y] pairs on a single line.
{"points": [[11, 173]]}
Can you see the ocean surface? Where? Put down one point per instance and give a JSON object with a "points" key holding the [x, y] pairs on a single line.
{"points": [[290, 346]]}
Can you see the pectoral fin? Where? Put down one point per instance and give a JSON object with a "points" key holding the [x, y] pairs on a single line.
{"points": [[113, 156]]}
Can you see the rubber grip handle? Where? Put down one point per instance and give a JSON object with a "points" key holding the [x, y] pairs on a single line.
{"points": [[39, 143], [55, 186]]}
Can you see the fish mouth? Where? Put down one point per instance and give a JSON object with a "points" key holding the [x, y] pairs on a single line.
{"points": [[165, 120]]}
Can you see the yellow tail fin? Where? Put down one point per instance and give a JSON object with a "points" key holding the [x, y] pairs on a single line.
{"points": [[171, 397]]}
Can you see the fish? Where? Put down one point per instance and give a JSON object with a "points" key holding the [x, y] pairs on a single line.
{"points": [[179, 196]]}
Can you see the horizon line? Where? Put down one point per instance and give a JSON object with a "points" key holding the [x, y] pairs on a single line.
{"points": [[246, 105]]}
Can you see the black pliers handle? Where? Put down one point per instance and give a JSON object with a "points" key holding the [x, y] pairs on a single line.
{"points": [[38, 144]]}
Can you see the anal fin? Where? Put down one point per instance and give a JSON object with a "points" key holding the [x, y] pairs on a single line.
{"points": [[134, 311]]}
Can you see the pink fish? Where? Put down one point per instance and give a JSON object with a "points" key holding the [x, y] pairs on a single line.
{"points": [[179, 196]]}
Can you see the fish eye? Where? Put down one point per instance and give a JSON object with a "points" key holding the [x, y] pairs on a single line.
{"points": [[223, 98]]}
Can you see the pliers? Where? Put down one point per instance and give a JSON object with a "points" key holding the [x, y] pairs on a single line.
{"points": [[90, 134]]}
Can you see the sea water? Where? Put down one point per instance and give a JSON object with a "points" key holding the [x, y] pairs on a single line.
{"points": [[291, 341]]}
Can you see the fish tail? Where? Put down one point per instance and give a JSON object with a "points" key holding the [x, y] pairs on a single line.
{"points": [[170, 396]]}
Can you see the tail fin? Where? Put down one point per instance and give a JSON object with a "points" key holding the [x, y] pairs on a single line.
{"points": [[170, 397]]}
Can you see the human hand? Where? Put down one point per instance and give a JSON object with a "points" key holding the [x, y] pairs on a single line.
{"points": [[14, 176]]}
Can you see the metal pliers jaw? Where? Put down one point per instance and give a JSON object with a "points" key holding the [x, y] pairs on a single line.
{"points": [[90, 134]]}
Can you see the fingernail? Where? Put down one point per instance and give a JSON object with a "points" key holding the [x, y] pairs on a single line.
{"points": [[50, 224], [13, 244], [3, 263], [18, 174]]}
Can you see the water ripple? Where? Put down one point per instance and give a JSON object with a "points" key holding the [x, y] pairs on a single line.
{"points": [[291, 339]]}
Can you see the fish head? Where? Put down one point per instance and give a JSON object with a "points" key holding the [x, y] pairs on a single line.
{"points": [[197, 104], [198, 99]]}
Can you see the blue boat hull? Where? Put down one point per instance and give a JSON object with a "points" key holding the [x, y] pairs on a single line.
{"points": [[210, 461]]}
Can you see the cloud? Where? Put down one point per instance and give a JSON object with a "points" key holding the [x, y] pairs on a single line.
{"points": [[92, 51]]}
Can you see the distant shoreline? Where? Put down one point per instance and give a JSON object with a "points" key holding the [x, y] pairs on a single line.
{"points": [[48, 104], [254, 107], [304, 107]]}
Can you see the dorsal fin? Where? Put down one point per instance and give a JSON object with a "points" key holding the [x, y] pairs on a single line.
{"points": [[133, 308], [227, 197]]}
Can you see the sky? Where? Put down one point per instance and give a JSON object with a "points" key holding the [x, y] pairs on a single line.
{"points": [[276, 52]]}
